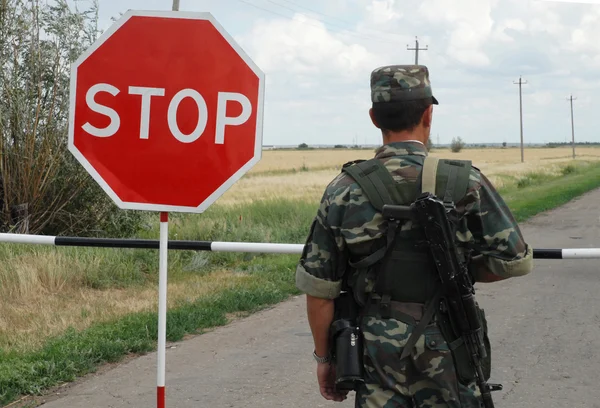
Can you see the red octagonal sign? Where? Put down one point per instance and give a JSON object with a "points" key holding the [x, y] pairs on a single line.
{"points": [[166, 111]]}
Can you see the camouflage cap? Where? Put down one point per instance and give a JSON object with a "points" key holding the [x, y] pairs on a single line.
{"points": [[396, 83]]}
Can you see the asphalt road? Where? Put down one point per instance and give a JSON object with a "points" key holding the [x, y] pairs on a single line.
{"points": [[545, 333]]}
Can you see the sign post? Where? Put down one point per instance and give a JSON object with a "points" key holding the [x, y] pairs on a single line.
{"points": [[163, 263], [162, 309], [166, 125]]}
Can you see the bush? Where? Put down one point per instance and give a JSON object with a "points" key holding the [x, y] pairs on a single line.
{"points": [[302, 146], [457, 144], [43, 189], [568, 169]]}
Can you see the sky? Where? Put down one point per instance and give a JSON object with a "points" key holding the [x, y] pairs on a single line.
{"points": [[317, 56]]}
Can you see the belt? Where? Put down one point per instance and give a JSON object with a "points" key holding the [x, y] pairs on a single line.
{"points": [[414, 314], [409, 313]]}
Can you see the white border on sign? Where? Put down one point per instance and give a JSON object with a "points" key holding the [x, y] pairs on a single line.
{"points": [[259, 112]]}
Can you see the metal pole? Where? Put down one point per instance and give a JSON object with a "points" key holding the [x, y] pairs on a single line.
{"points": [[162, 308], [217, 246], [417, 51], [163, 252], [521, 119], [572, 126], [521, 116]]}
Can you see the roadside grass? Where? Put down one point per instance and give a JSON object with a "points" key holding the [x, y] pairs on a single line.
{"points": [[534, 194], [46, 290], [66, 311], [74, 353]]}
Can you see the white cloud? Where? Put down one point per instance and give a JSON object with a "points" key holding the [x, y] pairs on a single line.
{"points": [[543, 98], [304, 46], [318, 74], [469, 23], [383, 11], [545, 20], [585, 37], [513, 24]]}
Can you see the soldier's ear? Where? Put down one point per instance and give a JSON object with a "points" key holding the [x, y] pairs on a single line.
{"points": [[427, 117], [373, 118]]}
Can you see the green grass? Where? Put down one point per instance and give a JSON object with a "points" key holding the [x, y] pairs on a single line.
{"points": [[553, 192], [73, 354], [272, 221], [270, 277]]}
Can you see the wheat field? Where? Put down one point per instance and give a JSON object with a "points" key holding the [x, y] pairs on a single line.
{"points": [[303, 174]]}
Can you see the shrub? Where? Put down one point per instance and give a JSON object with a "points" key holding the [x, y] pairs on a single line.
{"points": [[457, 144], [568, 169], [43, 189], [429, 144]]}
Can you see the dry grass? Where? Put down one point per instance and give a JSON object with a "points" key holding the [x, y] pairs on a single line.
{"points": [[43, 292], [42, 296], [274, 160], [268, 179], [307, 185]]}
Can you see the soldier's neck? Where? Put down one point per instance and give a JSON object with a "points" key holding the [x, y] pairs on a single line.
{"points": [[418, 133]]}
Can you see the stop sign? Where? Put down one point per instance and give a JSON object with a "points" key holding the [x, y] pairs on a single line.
{"points": [[166, 111]]}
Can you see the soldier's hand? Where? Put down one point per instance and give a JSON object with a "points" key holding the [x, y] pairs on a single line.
{"points": [[326, 378]]}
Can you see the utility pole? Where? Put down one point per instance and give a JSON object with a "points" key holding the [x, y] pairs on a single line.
{"points": [[521, 114], [416, 50], [175, 5], [572, 125]]}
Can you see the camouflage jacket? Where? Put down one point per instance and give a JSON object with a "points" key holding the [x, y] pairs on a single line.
{"points": [[347, 227]]}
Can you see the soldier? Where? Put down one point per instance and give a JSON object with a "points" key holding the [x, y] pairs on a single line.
{"points": [[428, 369]]}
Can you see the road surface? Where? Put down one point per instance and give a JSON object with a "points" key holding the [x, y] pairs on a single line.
{"points": [[545, 333]]}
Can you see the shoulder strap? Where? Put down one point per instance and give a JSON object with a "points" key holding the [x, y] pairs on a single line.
{"points": [[380, 188], [446, 179], [449, 177], [377, 183], [430, 167]]}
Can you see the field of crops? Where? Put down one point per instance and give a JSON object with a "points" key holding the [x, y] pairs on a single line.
{"points": [[303, 174]]}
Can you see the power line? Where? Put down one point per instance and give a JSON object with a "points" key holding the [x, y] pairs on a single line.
{"points": [[333, 17], [295, 11], [317, 12], [572, 125], [521, 110], [345, 31]]}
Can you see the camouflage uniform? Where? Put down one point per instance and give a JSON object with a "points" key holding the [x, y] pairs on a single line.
{"points": [[347, 227]]}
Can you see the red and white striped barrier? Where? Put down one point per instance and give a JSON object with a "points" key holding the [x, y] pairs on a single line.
{"points": [[218, 246]]}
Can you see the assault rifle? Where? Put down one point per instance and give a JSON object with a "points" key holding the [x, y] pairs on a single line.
{"points": [[430, 213]]}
